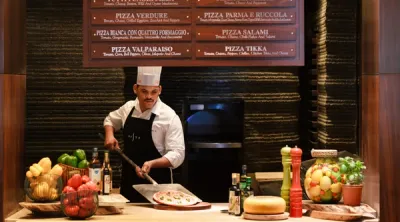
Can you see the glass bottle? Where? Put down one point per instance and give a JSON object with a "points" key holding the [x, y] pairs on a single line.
{"points": [[95, 169], [237, 197], [243, 177], [232, 195], [323, 180], [106, 175]]}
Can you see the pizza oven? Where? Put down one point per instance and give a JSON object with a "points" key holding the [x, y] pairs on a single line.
{"points": [[213, 131]]}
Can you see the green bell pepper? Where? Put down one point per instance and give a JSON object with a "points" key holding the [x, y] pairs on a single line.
{"points": [[72, 161], [80, 154], [83, 164], [62, 158]]}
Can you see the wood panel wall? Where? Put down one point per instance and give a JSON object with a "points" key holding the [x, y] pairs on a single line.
{"points": [[369, 130], [12, 104], [389, 108], [380, 103]]}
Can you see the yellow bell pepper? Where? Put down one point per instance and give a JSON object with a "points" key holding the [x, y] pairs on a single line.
{"points": [[29, 175], [56, 170], [41, 190], [45, 163], [35, 171]]}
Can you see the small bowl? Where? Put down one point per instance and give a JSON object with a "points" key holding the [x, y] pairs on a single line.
{"points": [[79, 204], [45, 188]]}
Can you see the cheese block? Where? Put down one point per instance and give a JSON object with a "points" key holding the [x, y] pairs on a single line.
{"points": [[264, 205]]}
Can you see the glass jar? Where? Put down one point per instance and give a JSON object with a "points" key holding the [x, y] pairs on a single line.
{"points": [[323, 181]]}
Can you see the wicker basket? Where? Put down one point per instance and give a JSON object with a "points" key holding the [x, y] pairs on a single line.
{"points": [[69, 171]]}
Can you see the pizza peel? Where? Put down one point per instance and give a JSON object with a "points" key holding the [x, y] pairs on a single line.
{"points": [[148, 190]]}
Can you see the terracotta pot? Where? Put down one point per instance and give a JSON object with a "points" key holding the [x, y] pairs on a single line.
{"points": [[352, 194]]}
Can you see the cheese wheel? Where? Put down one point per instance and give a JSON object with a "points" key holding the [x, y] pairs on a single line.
{"points": [[264, 205]]}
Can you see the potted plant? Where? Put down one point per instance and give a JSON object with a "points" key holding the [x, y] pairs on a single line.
{"points": [[353, 185]]}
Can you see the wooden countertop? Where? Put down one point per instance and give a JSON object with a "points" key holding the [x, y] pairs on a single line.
{"points": [[145, 212]]}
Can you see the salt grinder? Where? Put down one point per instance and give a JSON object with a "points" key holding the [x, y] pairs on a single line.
{"points": [[296, 196], [287, 181]]}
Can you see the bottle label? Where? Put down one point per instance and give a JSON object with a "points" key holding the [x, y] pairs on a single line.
{"points": [[95, 176], [237, 205], [231, 202], [107, 181]]}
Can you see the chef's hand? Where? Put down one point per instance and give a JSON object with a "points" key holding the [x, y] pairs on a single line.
{"points": [[147, 167], [111, 143], [139, 172]]}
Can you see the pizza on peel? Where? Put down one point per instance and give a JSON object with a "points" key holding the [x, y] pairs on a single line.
{"points": [[174, 198]]}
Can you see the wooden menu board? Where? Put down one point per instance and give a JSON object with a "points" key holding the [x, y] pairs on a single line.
{"points": [[123, 33]]}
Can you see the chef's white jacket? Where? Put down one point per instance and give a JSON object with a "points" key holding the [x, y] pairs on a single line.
{"points": [[167, 130]]}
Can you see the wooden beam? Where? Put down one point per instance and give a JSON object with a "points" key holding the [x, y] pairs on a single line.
{"points": [[12, 104]]}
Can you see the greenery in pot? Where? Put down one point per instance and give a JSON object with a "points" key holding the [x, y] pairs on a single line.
{"points": [[353, 170]]}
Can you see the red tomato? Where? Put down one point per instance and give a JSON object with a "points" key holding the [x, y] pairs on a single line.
{"points": [[72, 210], [83, 213], [76, 181], [87, 203], [66, 202], [85, 179], [68, 189], [84, 190], [92, 185]]}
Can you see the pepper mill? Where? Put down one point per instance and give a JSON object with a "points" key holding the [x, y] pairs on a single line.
{"points": [[296, 196], [287, 181]]}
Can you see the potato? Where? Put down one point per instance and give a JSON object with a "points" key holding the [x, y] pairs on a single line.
{"points": [[325, 183], [315, 191], [336, 187], [307, 182], [316, 176], [308, 173]]}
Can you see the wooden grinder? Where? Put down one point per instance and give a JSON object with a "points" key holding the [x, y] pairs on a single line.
{"points": [[296, 196], [287, 181]]}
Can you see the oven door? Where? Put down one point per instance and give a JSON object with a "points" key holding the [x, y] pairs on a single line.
{"points": [[214, 124]]}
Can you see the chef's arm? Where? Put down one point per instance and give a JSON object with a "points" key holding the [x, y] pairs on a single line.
{"points": [[161, 162], [113, 122], [109, 130], [175, 143]]}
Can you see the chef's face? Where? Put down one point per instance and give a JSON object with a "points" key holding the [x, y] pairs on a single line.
{"points": [[147, 95]]}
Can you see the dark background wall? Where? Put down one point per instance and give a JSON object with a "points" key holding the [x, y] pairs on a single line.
{"points": [[66, 104]]}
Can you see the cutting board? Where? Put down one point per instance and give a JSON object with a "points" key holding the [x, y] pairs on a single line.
{"points": [[53, 208], [114, 200], [198, 206], [364, 209], [337, 216], [265, 217]]}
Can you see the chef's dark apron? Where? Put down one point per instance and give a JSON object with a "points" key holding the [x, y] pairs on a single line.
{"points": [[139, 147]]}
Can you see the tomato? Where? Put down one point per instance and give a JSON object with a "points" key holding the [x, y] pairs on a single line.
{"points": [[84, 190], [72, 210], [92, 185], [87, 203], [66, 202], [85, 179], [84, 213], [75, 181], [68, 189]]}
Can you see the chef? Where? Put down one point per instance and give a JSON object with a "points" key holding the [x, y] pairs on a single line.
{"points": [[153, 135]]}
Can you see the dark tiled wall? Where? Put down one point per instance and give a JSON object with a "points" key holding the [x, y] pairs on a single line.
{"points": [[66, 104]]}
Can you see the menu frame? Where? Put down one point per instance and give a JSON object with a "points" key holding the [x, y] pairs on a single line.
{"points": [[254, 34]]}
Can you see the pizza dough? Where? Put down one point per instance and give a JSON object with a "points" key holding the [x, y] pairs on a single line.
{"points": [[174, 198], [264, 205]]}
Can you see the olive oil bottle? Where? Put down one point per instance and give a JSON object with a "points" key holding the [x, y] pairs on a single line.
{"points": [[233, 198], [246, 192], [237, 211], [106, 175], [95, 169]]}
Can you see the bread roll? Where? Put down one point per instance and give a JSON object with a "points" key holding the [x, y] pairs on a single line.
{"points": [[264, 205]]}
